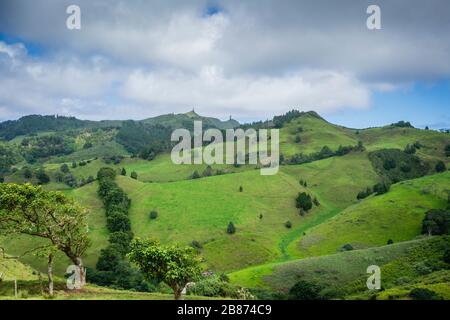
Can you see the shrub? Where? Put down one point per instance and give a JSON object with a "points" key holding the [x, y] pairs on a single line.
{"points": [[27, 174], [316, 202], [153, 214], [214, 286], [381, 188], [196, 244], [410, 149], [231, 228], [440, 166], [74, 164], [297, 139], [390, 241], [123, 172], [241, 189], [134, 175], [346, 247], [304, 290], [288, 224], [423, 294]]}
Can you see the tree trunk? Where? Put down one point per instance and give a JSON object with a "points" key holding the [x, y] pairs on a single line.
{"points": [[177, 291], [50, 274]]}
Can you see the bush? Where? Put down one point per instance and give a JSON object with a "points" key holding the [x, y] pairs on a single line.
{"points": [[153, 214], [297, 139], [231, 228], [196, 244], [288, 224], [134, 175], [214, 286], [390, 241], [74, 164], [410, 149], [381, 188], [241, 189], [123, 172], [440, 166], [303, 290], [423, 294], [27, 174], [346, 247]]}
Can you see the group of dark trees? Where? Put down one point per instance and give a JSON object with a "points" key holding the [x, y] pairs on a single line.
{"points": [[402, 124], [378, 189], [324, 153], [145, 141], [39, 147], [436, 222], [113, 268], [304, 202]]}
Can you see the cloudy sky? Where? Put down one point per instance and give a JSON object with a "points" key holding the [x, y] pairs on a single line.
{"points": [[251, 59]]}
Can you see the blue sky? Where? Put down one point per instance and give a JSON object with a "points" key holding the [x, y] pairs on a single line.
{"points": [[252, 60]]}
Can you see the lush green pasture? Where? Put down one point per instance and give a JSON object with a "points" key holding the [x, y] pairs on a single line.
{"points": [[344, 274], [396, 215], [316, 134]]}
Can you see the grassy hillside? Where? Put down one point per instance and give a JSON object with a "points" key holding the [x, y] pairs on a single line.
{"points": [[344, 274], [315, 134], [396, 215]]}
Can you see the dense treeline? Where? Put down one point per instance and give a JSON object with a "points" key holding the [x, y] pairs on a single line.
{"points": [[143, 140], [113, 269], [34, 148], [36, 123], [324, 153]]}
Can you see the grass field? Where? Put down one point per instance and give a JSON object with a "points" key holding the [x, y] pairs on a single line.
{"points": [[396, 215], [345, 273]]}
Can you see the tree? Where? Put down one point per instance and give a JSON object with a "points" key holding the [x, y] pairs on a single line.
{"points": [[381, 188], [288, 224], [195, 175], [30, 210], [297, 139], [303, 201], [231, 228], [153, 214], [423, 294], [64, 168], [304, 290], [174, 265], [427, 128], [410, 149], [440, 166], [123, 172], [134, 175], [42, 176], [27, 174], [241, 189], [436, 222], [74, 164], [447, 150], [390, 241]]}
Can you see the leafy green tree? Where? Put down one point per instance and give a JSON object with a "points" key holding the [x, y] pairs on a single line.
{"points": [[174, 265], [381, 188], [288, 224], [64, 168], [241, 189], [436, 222], [304, 290], [30, 210], [42, 176], [390, 241], [74, 164], [297, 139], [440, 166], [27, 174], [303, 201], [134, 175], [117, 221], [231, 228], [123, 172], [106, 173]]}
